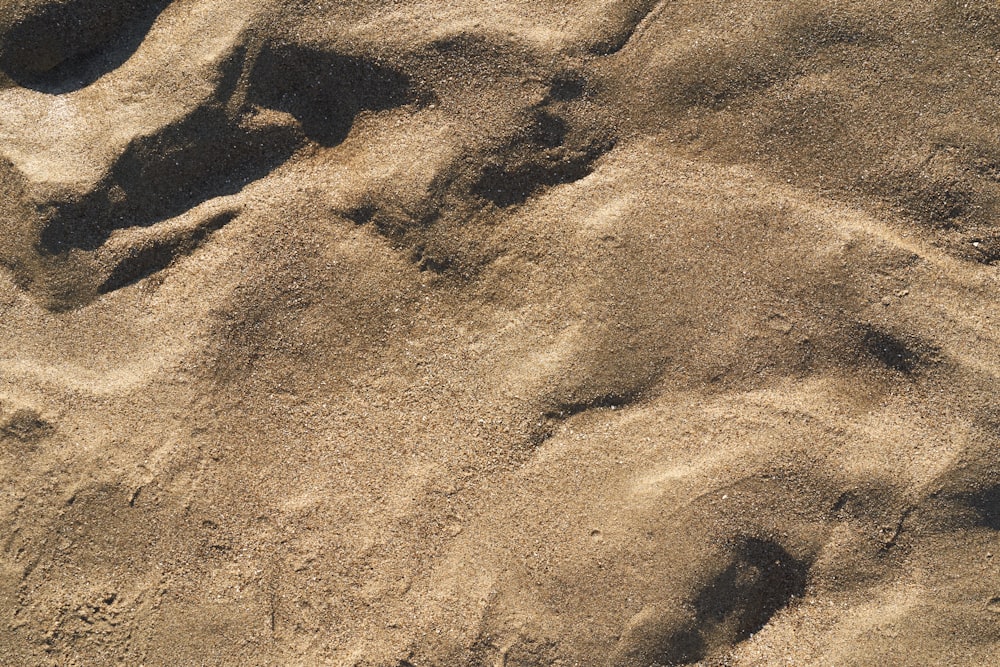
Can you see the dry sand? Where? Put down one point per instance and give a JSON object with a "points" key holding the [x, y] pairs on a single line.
{"points": [[507, 333]]}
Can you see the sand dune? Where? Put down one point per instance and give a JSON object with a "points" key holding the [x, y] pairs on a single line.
{"points": [[499, 333]]}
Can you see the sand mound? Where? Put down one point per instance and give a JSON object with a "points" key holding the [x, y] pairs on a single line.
{"points": [[461, 333]]}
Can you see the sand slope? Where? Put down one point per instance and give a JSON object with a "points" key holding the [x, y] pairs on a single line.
{"points": [[509, 333]]}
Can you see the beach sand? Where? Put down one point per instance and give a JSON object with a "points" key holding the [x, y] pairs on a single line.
{"points": [[439, 332]]}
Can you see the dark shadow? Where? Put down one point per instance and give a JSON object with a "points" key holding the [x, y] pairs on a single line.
{"points": [[549, 130], [568, 86], [986, 504], [681, 648], [986, 249], [161, 176], [210, 154], [634, 14], [535, 162], [426, 261], [761, 579], [26, 426], [144, 261], [65, 46], [889, 350], [324, 91], [140, 263], [362, 214], [614, 400], [941, 204], [511, 184]]}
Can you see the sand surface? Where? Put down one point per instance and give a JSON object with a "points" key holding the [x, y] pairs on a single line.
{"points": [[499, 333]]}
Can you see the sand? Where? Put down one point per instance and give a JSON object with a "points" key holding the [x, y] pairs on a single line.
{"points": [[439, 332]]}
